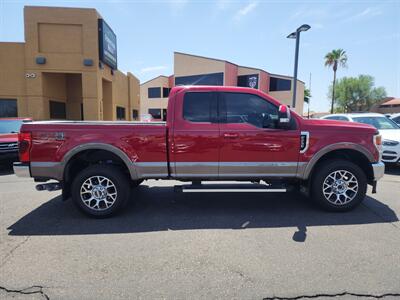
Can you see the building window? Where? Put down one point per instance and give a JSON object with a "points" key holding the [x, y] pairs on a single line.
{"points": [[203, 79], [165, 92], [248, 81], [164, 115], [82, 115], [154, 92], [389, 105], [200, 107], [8, 108], [279, 84], [57, 110], [155, 113], [135, 114], [120, 113]]}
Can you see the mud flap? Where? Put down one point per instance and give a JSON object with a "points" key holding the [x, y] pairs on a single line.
{"points": [[374, 184]]}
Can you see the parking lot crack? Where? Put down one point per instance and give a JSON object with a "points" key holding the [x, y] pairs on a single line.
{"points": [[343, 294], [11, 252], [35, 289]]}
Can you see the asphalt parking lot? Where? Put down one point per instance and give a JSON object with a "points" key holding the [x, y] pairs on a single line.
{"points": [[198, 246]]}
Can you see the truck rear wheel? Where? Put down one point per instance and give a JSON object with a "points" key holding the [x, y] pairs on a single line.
{"points": [[100, 190], [339, 185]]}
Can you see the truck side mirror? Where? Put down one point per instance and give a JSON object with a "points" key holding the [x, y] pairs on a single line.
{"points": [[284, 116]]}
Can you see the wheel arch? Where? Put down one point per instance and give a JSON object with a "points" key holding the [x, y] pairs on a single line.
{"points": [[102, 150], [349, 151]]}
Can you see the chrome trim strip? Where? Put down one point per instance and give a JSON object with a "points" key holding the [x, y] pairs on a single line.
{"points": [[21, 169], [151, 169], [378, 170], [233, 190], [260, 163], [307, 134], [256, 175], [195, 169], [257, 169], [301, 167], [231, 170], [53, 170]]}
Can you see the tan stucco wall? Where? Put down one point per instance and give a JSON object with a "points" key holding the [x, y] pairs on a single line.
{"points": [[247, 71], [286, 96], [186, 65], [145, 102], [65, 37], [134, 93], [12, 74]]}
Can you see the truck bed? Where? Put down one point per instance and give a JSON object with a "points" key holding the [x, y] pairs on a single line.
{"points": [[140, 141]]}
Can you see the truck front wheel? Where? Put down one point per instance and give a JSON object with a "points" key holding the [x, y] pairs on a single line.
{"points": [[338, 185], [100, 190]]}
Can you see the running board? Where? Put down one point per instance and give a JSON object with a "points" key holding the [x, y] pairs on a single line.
{"points": [[231, 188]]}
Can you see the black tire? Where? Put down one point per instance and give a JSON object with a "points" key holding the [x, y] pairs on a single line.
{"points": [[350, 198], [117, 194]]}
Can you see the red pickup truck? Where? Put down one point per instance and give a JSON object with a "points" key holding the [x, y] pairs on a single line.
{"points": [[211, 134], [9, 128]]}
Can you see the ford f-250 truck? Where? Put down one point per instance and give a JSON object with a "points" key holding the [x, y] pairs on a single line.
{"points": [[211, 134]]}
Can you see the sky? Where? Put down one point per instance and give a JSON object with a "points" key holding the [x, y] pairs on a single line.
{"points": [[249, 33]]}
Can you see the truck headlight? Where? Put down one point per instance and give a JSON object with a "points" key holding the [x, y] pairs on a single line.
{"points": [[390, 143]]}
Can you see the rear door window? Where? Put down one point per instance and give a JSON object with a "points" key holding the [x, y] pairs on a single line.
{"points": [[200, 107]]}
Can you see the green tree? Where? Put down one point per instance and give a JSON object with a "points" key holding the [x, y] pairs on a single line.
{"points": [[357, 93], [334, 59], [307, 95]]}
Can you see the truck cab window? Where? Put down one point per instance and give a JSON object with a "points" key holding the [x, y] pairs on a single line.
{"points": [[200, 107], [249, 108]]}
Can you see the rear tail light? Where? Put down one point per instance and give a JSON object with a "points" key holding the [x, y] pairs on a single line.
{"points": [[25, 144]]}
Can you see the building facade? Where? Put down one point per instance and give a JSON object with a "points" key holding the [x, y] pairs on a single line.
{"points": [[197, 70], [65, 69], [389, 105]]}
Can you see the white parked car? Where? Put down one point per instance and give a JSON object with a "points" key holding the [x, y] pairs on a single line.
{"points": [[146, 118], [389, 130], [396, 118]]}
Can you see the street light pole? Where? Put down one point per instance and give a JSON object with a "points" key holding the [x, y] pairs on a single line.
{"points": [[296, 63], [296, 35]]}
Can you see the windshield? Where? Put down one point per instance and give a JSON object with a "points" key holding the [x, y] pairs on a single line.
{"points": [[10, 126], [377, 122]]}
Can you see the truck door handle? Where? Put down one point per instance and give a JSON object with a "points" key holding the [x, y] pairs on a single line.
{"points": [[230, 135]]}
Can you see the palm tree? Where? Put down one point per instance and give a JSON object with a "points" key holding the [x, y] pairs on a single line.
{"points": [[307, 96], [335, 58]]}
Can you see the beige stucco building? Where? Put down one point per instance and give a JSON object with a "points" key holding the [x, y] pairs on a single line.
{"points": [[62, 70], [199, 70], [389, 105]]}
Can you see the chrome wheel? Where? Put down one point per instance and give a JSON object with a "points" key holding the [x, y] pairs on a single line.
{"points": [[340, 187], [98, 193]]}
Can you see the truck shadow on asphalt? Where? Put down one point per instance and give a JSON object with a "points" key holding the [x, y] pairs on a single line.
{"points": [[161, 209], [6, 169]]}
